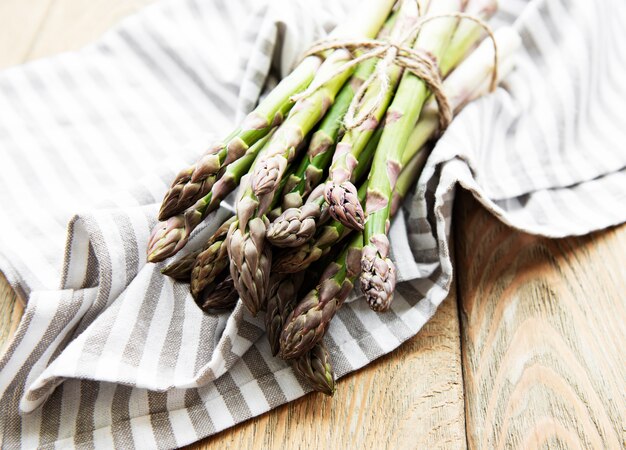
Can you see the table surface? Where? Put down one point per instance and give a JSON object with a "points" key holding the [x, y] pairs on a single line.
{"points": [[527, 351]]}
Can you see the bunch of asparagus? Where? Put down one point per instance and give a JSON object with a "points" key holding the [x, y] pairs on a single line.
{"points": [[316, 198]]}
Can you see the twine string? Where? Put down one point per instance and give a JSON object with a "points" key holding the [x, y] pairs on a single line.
{"points": [[417, 61]]}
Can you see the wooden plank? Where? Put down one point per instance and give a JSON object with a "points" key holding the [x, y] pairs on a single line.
{"points": [[20, 22], [542, 335], [411, 398], [11, 310], [71, 24]]}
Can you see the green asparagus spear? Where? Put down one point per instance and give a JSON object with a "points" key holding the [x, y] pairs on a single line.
{"points": [[308, 322]]}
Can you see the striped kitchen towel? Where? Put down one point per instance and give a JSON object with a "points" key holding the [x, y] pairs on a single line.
{"points": [[110, 352]]}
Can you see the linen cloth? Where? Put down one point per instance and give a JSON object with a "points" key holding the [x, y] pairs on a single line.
{"points": [[110, 352]]}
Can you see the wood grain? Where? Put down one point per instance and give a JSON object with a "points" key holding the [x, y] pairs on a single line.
{"points": [[71, 24], [11, 310], [20, 22], [411, 398], [542, 335]]}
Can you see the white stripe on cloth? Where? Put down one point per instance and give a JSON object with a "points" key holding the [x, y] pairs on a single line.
{"points": [[122, 357]]}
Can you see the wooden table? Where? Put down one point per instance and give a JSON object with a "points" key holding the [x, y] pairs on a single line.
{"points": [[527, 351]]}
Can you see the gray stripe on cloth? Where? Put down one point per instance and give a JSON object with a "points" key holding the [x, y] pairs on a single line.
{"points": [[208, 327], [120, 412], [52, 408], [11, 425], [259, 369], [198, 81], [174, 338], [357, 330], [341, 364], [134, 348], [168, 84], [235, 401], [161, 424], [200, 418], [85, 424], [131, 250], [104, 268], [393, 321], [92, 271]]}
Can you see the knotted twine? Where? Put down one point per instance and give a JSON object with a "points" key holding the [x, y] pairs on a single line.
{"points": [[419, 62]]}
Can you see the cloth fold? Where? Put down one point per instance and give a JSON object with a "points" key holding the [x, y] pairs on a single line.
{"points": [[110, 352]]}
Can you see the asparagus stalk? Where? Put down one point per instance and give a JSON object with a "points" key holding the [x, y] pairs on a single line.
{"points": [[196, 181], [211, 261], [407, 178], [282, 297], [180, 270], [308, 322], [295, 226], [315, 367], [468, 81], [466, 35], [218, 295], [401, 118], [311, 109], [250, 262], [301, 257], [340, 193], [250, 256], [170, 236], [321, 147], [378, 275]]}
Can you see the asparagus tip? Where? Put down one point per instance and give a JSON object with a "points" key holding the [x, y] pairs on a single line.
{"points": [[167, 238], [295, 226], [265, 179], [344, 204], [316, 368], [378, 279], [250, 263]]}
